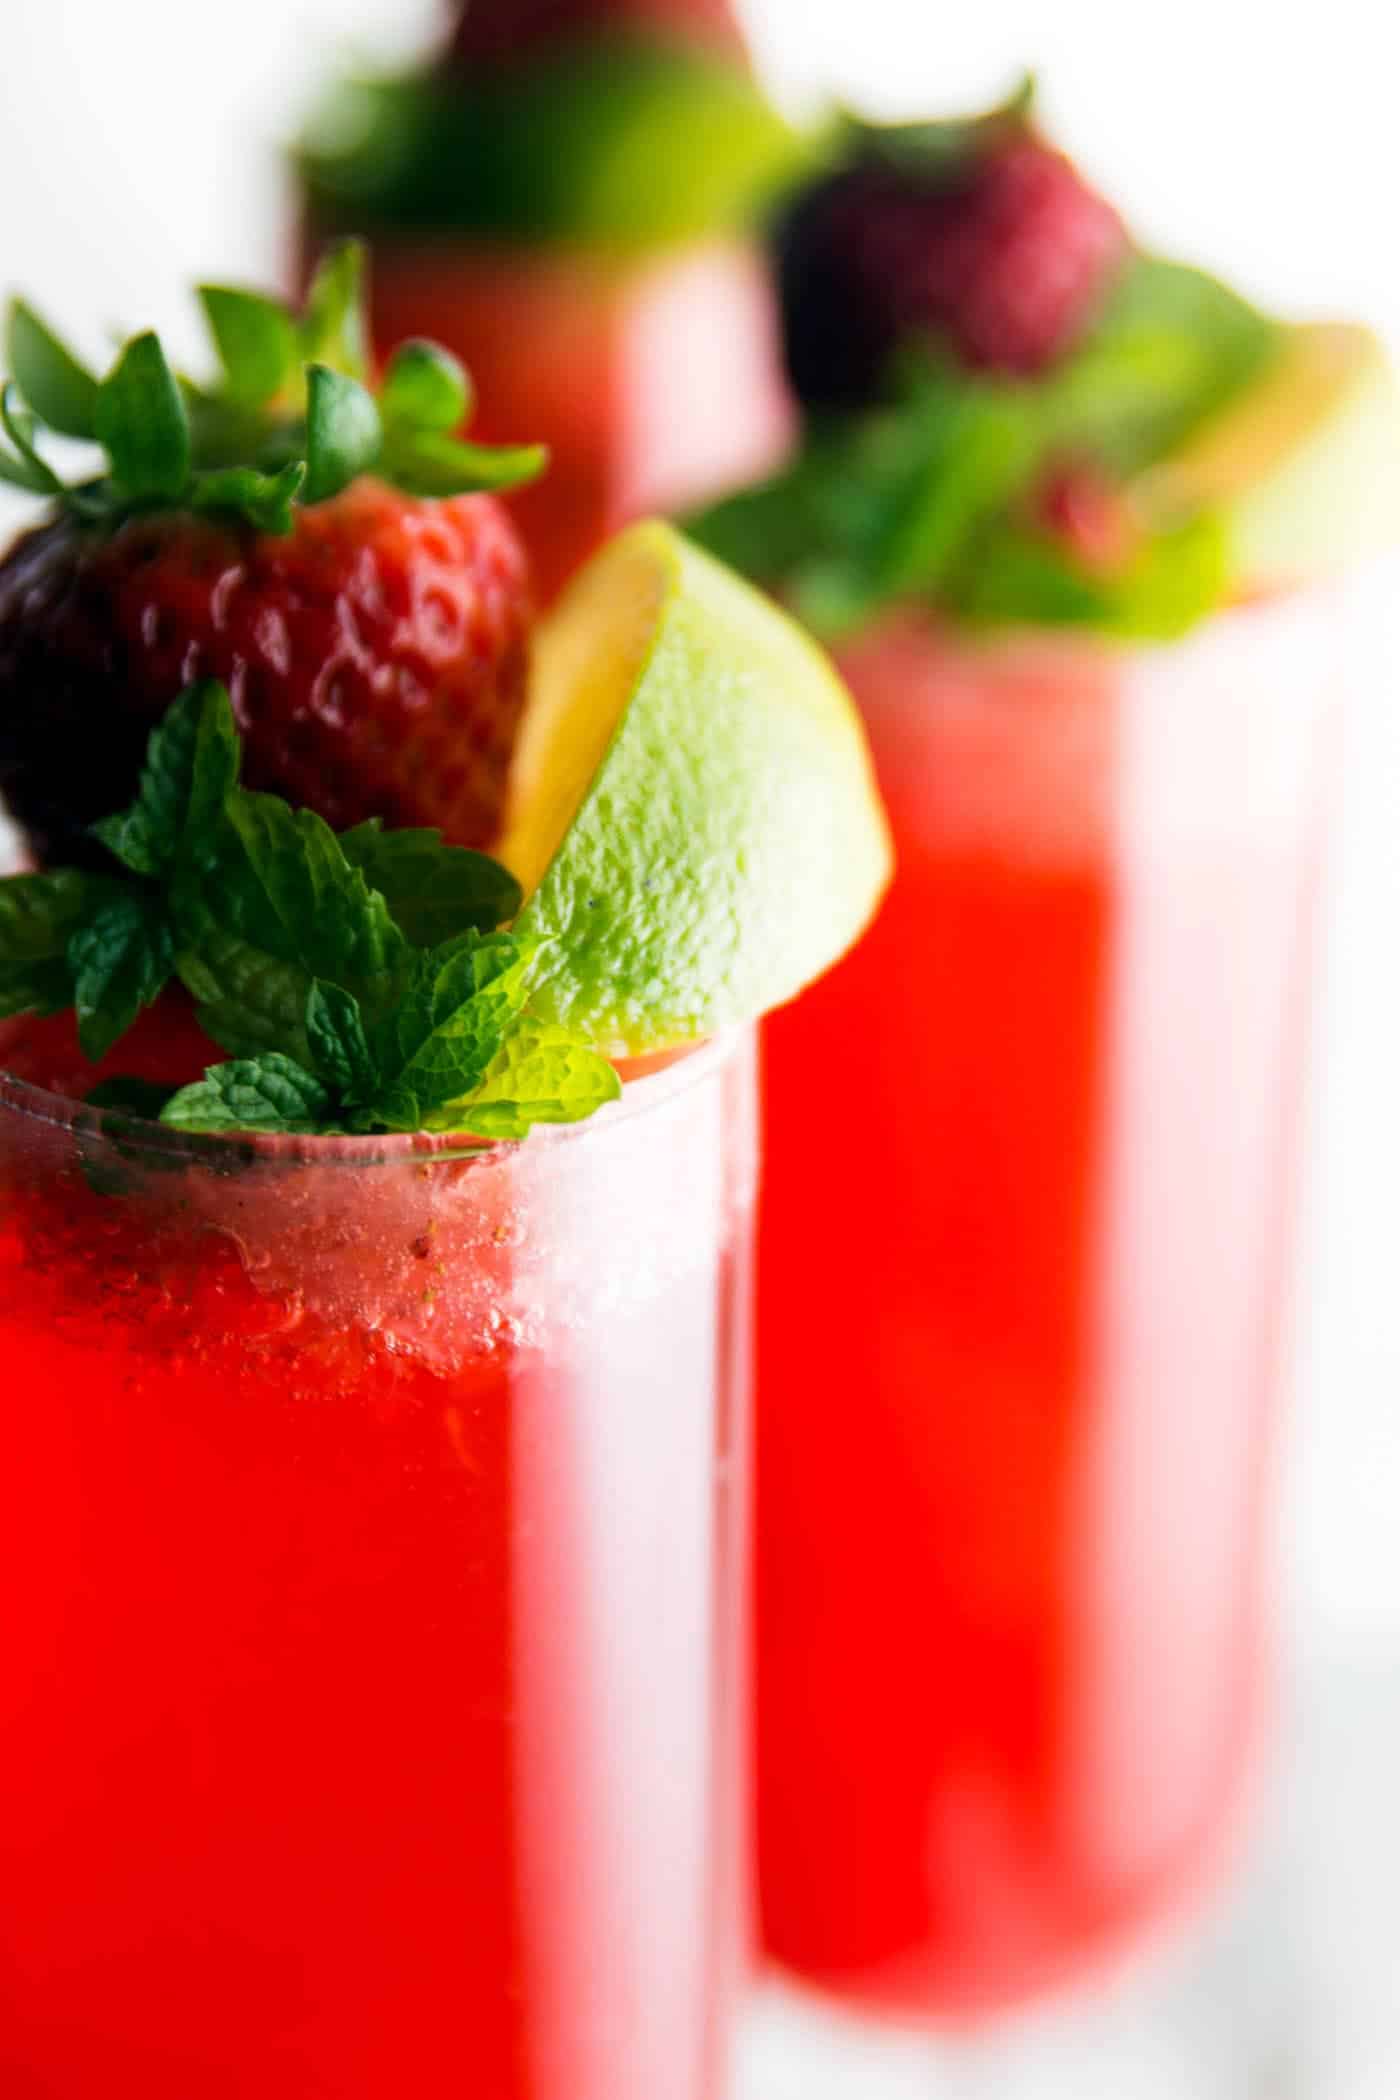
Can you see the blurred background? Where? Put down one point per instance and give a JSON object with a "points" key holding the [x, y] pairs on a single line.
{"points": [[140, 150]]}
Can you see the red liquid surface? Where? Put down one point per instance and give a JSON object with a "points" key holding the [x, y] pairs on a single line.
{"points": [[1020, 1307], [367, 1624], [655, 383]]}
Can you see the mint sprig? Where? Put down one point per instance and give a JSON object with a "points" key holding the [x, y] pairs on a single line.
{"points": [[292, 417], [361, 983], [926, 498]]}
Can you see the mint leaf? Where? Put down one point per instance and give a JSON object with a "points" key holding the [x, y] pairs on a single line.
{"points": [[142, 423], [433, 891], [343, 432], [333, 323], [335, 1035], [190, 771], [121, 961], [39, 914], [436, 1044], [264, 500], [61, 391], [249, 1001], [257, 341], [425, 388], [425, 463], [271, 1093], [540, 1074], [1173, 580]]}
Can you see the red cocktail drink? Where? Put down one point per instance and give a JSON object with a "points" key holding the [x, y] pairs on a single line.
{"points": [[370, 1529], [1021, 1319]]}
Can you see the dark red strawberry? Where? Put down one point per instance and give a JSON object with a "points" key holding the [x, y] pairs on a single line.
{"points": [[1002, 256], [373, 640], [495, 31], [376, 658]]}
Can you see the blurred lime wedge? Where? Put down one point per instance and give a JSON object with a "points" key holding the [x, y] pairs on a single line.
{"points": [[1303, 464], [695, 820]]}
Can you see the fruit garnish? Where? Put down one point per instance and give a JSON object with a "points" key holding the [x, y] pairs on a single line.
{"points": [[1303, 467], [361, 983], [621, 141], [492, 32], [695, 821], [977, 238], [286, 530], [935, 495]]}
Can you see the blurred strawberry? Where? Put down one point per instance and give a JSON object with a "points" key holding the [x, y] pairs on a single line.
{"points": [[1090, 515], [1002, 253], [492, 31]]}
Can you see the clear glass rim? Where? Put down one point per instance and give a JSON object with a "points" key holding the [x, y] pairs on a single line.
{"points": [[129, 1134]]}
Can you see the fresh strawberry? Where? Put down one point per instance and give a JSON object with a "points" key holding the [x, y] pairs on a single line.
{"points": [[376, 657], [496, 31], [1003, 256], [273, 534]]}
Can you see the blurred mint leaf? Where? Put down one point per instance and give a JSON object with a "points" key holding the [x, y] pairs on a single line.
{"points": [[425, 388], [540, 1074], [190, 771], [121, 960], [39, 915], [433, 891], [1173, 580], [257, 341], [271, 1093], [343, 432], [335, 1035], [142, 423], [59, 389], [435, 1045]]}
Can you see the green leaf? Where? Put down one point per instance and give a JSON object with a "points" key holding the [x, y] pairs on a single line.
{"points": [[335, 1034], [60, 390], [1171, 583], [249, 1001], [264, 501], [19, 425], [935, 152], [333, 328], [257, 340], [343, 432], [540, 1074], [271, 1093], [436, 1044], [39, 915], [142, 423], [425, 387], [121, 961], [433, 891], [424, 463], [190, 771]]}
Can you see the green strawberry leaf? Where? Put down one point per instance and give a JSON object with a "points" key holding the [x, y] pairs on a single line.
{"points": [[344, 435], [271, 1093], [264, 501], [191, 769], [143, 425], [436, 1044], [540, 1074], [425, 388], [333, 330], [425, 463], [19, 427], [335, 1035], [60, 390], [121, 960], [257, 342], [433, 891]]}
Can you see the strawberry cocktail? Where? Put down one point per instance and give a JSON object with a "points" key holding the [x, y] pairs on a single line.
{"points": [[565, 195], [373, 1444], [1064, 508]]}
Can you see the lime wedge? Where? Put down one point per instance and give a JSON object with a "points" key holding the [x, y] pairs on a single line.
{"points": [[695, 819], [1303, 464]]}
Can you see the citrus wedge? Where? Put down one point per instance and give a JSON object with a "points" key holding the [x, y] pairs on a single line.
{"points": [[695, 820], [1304, 464]]}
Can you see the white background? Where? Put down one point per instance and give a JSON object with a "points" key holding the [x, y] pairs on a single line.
{"points": [[138, 151]]}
